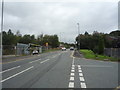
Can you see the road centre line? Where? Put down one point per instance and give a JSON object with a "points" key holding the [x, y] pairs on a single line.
{"points": [[35, 61], [17, 74], [45, 60], [10, 69]]}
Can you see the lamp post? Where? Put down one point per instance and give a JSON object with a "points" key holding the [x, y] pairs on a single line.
{"points": [[78, 36]]}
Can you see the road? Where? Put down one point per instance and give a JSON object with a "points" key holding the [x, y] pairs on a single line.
{"points": [[59, 69]]}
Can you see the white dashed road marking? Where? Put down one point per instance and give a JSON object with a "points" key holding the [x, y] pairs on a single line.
{"points": [[16, 74], [83, 85], [80, 74], [71, 85], [72, 70], [71, 78], [82, 79], [44, 60], [72, 74], [79, 70], [10, 69], [35, 61]]}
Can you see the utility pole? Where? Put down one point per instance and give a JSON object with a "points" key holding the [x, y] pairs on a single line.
{"points": [[78, 36], [1, 27], [2, 16], [1, 41]]}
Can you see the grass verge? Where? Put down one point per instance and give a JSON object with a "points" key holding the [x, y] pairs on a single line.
{"points": [[91, 55]]}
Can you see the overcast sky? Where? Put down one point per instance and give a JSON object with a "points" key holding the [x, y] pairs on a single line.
{"points": [[60, 18]]}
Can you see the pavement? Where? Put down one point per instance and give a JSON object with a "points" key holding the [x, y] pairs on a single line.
{"points": [[59, 69]]}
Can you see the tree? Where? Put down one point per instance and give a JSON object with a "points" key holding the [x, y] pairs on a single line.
{"points": [[86, 33], [101, 45], [115, 33]]}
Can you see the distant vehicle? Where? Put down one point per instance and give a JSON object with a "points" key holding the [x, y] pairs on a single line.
{"points": [[71, 48], [63, 49], [35, 52]]}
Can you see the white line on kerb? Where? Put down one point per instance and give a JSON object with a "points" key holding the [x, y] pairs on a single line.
{"points": [[82, 79], [71, 85], [16, 74], [44, 60], [83, 85], [35, 61], [71, 78], [10, 69]]}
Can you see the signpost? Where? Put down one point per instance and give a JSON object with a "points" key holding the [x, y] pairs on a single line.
{"points": [[47, 45]]}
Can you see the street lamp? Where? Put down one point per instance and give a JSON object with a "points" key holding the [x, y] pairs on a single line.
{"points": [[78, 36]]}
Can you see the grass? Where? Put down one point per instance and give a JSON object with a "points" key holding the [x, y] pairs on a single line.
{"points": [[91, 55]]}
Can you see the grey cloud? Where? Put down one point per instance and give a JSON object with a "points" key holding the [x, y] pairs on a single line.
{"points": [[54, 18]]}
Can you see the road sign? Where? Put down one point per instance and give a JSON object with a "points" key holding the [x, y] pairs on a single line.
{"points": [[46, 44]]}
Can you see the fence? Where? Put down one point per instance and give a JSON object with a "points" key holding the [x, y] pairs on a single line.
{"points": [[112, 52]]}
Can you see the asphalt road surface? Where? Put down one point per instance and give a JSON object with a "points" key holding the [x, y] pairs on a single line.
{"points": [[59, 70]]}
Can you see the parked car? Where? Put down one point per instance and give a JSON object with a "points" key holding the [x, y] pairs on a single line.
{"points": [[63, 49], [35, 52], [71, 48]]}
